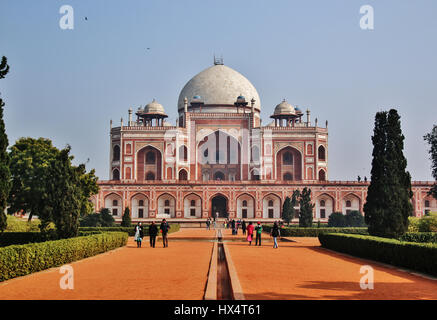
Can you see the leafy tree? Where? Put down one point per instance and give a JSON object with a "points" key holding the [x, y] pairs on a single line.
{"points": [[431, 138], [102, 219], [388, 203], [337, 219], [46, 184], [399, 180], [287, 211], [5, 184], [126, 220], [354, 219], [306, 209], [107, 219], [375, 206]]}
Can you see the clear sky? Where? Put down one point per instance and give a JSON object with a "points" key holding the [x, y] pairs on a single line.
{"points": [[66, 85]]}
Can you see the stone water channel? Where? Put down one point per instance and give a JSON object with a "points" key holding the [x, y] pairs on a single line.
{"points": [[221, 283]]}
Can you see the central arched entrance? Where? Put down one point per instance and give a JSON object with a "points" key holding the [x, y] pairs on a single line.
{"points": [[219, 207]]}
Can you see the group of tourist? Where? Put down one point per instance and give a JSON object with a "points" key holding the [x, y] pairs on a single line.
{"points": [[235, 225], [257, 230], [153, 232], [208, 223]]}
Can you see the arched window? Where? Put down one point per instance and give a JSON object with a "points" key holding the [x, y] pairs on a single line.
{"points": [[116, 175], [183, 153], [322, 176], [114, 203], [150, 176], [150, 157], [116, 153], [193, 203], [348, 203], [167, 203], [288, 176], [322, 155], [244, 203], [183, 175], [219, 176], [141, 203], [287, 158], [322, 203], [128, 148], [427, 204], [270, 204]]}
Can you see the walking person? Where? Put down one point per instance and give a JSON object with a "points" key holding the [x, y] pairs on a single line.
{"points": [[139, 234], [208, 224], [233, 226], [259, 230], [164, 229], [275, 233], [243, 227], [250, 229], [153, 232]]}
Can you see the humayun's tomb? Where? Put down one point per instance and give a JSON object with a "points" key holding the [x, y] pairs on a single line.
{"points": [[220, 160]]}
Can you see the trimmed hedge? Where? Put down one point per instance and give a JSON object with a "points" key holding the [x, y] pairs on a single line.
{"points": [[16, 238], [314, 232], [20, 260], [130, 230], [417, 256], [420, 237]]}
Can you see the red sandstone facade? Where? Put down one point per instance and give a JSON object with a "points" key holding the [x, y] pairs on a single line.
{"points": [[220, 160]]}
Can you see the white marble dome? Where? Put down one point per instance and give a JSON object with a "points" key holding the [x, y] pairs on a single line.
{"points": [[284, 108], [154, 107], [219, 84]]}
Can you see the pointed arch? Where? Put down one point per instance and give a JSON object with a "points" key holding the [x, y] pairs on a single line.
{"points": [[272, 206], [149, 159]]}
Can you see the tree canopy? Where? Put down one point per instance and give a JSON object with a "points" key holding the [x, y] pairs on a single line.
{"points": [[4, 157], [388, 205], [46, 184], [431, 138]]}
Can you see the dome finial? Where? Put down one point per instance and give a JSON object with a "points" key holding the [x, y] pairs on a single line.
{"points": [[218, 61]]}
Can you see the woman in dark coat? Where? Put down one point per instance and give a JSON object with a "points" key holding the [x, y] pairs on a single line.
{"points": [[243, 227], [275, 233]]}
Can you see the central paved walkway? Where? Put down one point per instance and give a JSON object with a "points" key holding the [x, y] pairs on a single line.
{"points": [[297, 270]]}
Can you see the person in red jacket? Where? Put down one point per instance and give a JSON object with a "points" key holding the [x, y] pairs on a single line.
{"points": [[250, 229]]}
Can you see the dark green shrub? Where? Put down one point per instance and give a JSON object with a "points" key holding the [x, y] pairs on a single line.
{"points": [[337, 219], [428, 223], [314, 232], [130, 230], [420, 237], [102, 219], [20, 260], [354, 219], [126, 221], [417, 256]]}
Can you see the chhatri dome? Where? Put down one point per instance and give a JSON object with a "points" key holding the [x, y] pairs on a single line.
{"points": [[218, 85]]}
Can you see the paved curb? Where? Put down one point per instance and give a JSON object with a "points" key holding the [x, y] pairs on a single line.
{"points": [[211, 284], [237, 291]]}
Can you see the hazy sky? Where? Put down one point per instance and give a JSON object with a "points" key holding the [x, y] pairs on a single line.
{"points": [[67, 84]]}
